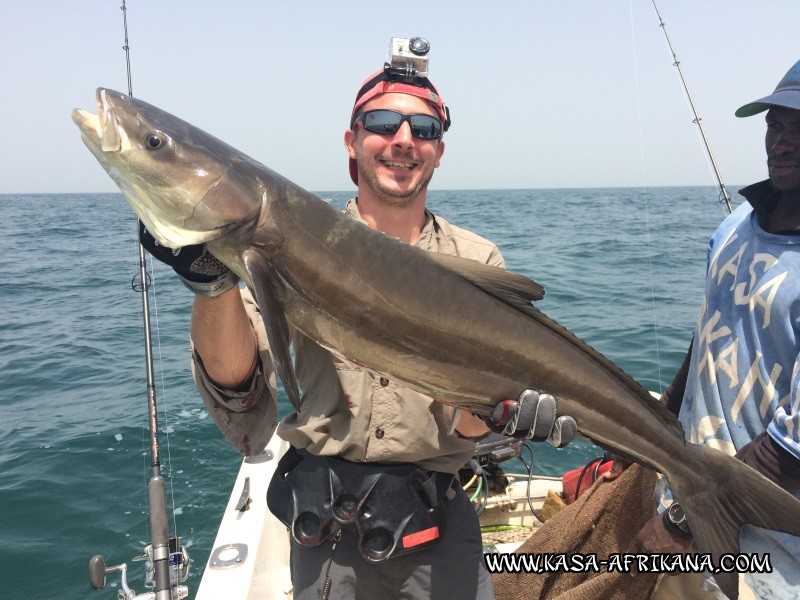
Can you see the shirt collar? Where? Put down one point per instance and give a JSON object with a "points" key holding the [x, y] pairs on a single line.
{"points": [[762, 196], [426, 236]]}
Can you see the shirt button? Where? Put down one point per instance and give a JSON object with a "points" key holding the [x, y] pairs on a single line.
{"points": [[379, 433], [384, 382]]}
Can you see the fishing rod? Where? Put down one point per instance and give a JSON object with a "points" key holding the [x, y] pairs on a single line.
{"points": [[724, 196], [167, 561]]}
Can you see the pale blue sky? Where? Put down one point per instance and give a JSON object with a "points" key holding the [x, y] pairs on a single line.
{"points": [[546, 93]]}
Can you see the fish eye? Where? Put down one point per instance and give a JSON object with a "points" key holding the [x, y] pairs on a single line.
{"points": [[154, 140]]}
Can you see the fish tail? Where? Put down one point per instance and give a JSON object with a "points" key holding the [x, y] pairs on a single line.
{"points": [[719, 495]]}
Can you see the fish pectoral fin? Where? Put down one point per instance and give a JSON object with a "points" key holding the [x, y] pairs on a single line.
{"points": [[265, 282], [512, 288]]}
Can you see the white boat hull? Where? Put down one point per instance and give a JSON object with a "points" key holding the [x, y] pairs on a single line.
{"points": [[262, 570]]}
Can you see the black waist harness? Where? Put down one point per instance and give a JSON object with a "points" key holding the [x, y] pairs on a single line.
{"points": [[394, 508]]}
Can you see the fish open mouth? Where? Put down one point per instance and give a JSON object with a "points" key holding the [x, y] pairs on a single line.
{"points": [[102, 129]]}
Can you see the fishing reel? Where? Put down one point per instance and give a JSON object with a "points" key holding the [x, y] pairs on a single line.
{"points": [[485, 466], [408, 59], [178, 573]]}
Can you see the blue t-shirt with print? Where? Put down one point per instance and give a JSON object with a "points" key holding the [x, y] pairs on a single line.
{"points": [[743, 376], [744, 369]]}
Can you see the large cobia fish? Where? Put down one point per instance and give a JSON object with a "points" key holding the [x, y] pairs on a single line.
{"points": [[451, 328]]}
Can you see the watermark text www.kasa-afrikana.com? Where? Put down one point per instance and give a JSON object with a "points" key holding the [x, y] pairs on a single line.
{"points": [[624, 563]]}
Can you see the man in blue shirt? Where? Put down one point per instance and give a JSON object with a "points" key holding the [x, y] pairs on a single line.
{"points": [[738, 389]]}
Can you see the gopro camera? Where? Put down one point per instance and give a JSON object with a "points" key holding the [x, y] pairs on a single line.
{"points": [[408, 59]]}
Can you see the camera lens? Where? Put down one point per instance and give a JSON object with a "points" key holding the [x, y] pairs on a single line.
{"points": [[419, 46]]}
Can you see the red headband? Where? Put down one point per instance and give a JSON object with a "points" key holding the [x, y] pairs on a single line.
{"points": [[381, 83]]}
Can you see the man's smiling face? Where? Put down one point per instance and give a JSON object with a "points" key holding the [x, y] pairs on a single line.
{"points": [[395, 167]]}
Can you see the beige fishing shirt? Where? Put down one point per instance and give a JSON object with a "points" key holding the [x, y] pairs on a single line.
{"points": [[348, 410]]}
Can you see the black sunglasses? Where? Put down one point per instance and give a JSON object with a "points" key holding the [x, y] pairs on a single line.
{"points": [[424, 127]]}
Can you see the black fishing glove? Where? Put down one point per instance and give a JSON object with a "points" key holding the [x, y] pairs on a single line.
{"points": [[532, 416], [198, 269]]}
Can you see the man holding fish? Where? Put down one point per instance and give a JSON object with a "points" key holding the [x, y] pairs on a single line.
{"points": [[351, 420], [366, 300]]}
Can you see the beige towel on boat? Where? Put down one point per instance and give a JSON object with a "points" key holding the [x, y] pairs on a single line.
{"points": [[603, 521]]}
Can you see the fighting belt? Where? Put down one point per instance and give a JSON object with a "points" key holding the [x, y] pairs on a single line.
{"points": [[394, 508]]}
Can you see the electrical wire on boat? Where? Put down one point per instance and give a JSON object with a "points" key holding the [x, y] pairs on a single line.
{"points": [[478, 490], [167, 561], [529, 467], [724, 196], [470, 482], [482, 490]]}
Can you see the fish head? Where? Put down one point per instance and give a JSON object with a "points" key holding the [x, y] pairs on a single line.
{"points": [[180, 181]]}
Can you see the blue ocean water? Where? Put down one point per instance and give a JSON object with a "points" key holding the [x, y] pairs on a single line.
{"points": [[623, 269]]}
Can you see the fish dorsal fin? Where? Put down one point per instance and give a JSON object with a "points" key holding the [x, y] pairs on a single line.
{"points": [[265, 283], [518, 292], [512, 288]]}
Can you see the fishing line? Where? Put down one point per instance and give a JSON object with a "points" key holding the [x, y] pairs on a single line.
{"points": [[164, 411], [645, 196], [165, 403], [159, 528], [146, 282], [724, 196]]}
